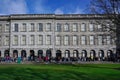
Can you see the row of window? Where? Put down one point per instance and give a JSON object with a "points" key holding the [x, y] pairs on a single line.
{"points": [[59, 40], [48, 27], [58, 28]]}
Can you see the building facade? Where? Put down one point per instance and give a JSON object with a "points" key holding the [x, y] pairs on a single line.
{"points": [[72, 35]]}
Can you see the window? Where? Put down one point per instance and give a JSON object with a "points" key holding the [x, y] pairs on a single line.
{"points": [[48, 40], [15, 27], [40, 27], [58, 40], [83, 40], [83, 27], [23, 41], [24, 27], [108, 27], [66, 27], [67, 53], [100, 39], [7, 28], [58, 28], [32, 27], [75, 27], [0, 41], [32, 40], [108, 38], [66, 40], [40, 40], [91, 27], [99, 28], [48, 27], [91, 39], [75, 40], [15, 40], [0, 27], [6, 40]]}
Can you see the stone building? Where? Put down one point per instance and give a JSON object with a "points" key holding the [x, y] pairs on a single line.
{"points": [[67, 35]]}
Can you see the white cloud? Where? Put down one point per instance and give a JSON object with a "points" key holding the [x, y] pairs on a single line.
{"points": [[13, 7], [58, 11]]}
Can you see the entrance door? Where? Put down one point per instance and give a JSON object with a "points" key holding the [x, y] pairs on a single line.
{"points": [[32, 55], [58, 54], [6, 53], [23, 54], [48, 53], [15, 53], [40, 53]]}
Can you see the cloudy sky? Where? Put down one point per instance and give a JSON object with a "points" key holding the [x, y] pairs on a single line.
{"points": [[43, 6]]}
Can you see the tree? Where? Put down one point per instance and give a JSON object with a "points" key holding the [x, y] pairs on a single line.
{"points": [[109, 12], [109, 9]]}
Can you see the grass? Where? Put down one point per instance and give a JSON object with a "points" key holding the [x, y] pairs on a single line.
{"points": [[60, 72]]}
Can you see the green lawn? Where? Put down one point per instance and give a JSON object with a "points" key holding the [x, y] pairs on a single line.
{"points": [[60, 72]]}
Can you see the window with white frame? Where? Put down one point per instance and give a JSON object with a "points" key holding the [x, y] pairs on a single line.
{"points": [[58, 40], [108, 38], [83, 27], [91, 39], [75, 27], [66, 40], [58, 27], [40, 39], [108, 27], [66, 27], [15, 40], [24, 27], [23, 41], [16, 27], [32, 27], [0, 27], [100, 40], [99, 27], [6, 40], [32, 39], [40, 27], [91, 27], [48, 27], [7, 27], [75, 40], [83, 40], [48, 40]]}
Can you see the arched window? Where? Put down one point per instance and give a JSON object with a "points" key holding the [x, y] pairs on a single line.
{"points": [[40, 53], [58, 54], [75, 53], [23, 53], [84, 53], [6, 53], [48, 53], [67, 53], [101, 53], [109, 53], [15, 53], [92, 53]]}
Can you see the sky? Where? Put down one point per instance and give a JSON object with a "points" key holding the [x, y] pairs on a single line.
{"points": [[43, 6]]}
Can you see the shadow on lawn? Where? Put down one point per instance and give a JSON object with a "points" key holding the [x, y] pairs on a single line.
{"points": [[41, 74]]}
